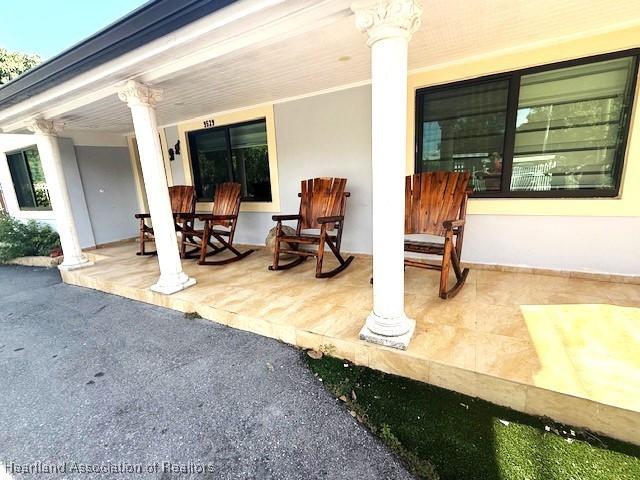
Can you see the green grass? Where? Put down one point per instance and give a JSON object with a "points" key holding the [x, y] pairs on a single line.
{"points": [[444, 435]]}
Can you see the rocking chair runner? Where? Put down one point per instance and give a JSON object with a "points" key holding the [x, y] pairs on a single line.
{"points": [[435, 204], [220, 225], [183, 200], [322, 206]]}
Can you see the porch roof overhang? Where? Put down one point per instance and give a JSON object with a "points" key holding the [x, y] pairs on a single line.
{"points": [[251, 52], [149, 22]]}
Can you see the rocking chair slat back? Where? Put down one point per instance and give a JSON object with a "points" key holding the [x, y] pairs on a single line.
{"points": [[183, 198], [321, 197], [433, 197], [210, 239], [227, 201]]}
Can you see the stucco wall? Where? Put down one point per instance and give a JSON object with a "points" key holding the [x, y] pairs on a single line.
{"points": [[76, 193], [109, 191], [10, 142], [177, 170], [330, 135], [326, 135], [99, 180], [570, 243]]}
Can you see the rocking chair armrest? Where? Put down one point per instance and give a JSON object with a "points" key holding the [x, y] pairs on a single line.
{"points": [[142, 215], [451, 224], [186, 215], [333, 219], [282, 218], [211, 216]]}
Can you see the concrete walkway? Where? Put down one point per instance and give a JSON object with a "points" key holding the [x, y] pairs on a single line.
{"points": [[101, 382]]}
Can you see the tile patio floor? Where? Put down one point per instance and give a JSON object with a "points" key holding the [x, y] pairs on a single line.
{"points": [[563, 347]]}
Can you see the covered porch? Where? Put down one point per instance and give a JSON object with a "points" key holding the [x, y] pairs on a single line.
{"points": [[556, 346], [556, 336]]}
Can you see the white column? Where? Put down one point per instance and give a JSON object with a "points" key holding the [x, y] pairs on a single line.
{"points": [[49, 150], [389, 25], [141, 99]]}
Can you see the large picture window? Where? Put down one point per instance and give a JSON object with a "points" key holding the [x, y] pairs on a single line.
{"points": [[237, 153], [553, 131], [28, 179], [463, 128]]}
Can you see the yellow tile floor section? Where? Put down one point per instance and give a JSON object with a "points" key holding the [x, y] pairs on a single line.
{"points": [[562, 347]]}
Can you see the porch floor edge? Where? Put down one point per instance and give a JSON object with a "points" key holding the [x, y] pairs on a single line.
{"points": [[613, 421]]}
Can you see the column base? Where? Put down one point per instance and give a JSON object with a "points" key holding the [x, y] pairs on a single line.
{"points": [[81, 263], [401, 342], [168, 289]]}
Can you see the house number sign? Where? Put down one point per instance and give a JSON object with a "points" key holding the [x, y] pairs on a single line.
{"points": [[209, 123]]}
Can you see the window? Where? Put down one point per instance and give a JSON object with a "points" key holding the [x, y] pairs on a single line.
{"points": [[463, 129], [553, 131], [28, 179], [235, 153]]}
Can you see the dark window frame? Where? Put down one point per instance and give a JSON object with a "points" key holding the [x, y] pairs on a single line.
{"points": [[195, 167], [22, 151], [514, 78]]}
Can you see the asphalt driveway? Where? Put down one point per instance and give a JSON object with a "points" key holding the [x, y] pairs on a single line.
{"points": [[96, 386]]}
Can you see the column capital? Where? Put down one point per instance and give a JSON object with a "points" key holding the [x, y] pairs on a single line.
{"points": [[135, 93], [382, 19], [41, 126]]}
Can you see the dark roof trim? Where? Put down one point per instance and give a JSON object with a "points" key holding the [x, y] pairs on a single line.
{"points": [[149, 22]]}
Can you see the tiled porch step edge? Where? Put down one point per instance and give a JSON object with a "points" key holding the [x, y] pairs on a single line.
{"points": [[602, 277], [611, 421]]}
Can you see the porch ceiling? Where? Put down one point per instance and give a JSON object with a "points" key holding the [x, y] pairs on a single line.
{"points": [[289, 63]]}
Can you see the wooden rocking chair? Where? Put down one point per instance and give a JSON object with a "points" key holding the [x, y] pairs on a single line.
{"points": [[322, 206], [183, 201], [436, 204], [220, 225]]}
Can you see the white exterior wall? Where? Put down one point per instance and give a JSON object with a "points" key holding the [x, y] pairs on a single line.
{"points": [[329, 135], [581, 244], [100, 181], [326, 135], [76, 194], [110, 191], [177, 170], [11, 142]]}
